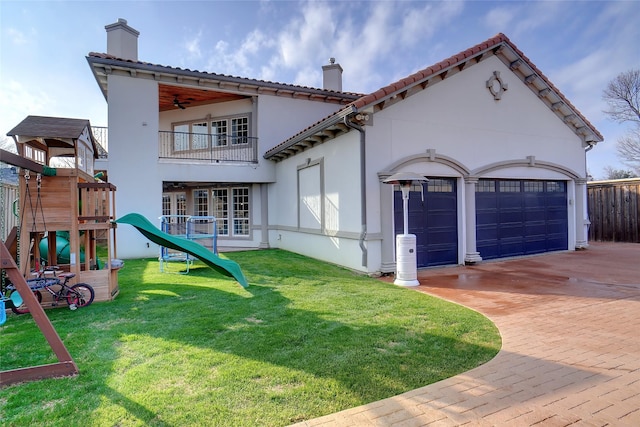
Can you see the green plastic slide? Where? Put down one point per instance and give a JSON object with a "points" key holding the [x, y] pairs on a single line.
{"points": [[225, 266]]}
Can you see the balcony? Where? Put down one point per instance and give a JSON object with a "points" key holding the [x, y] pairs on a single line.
{"points": [[101, 135], [214, 148]]}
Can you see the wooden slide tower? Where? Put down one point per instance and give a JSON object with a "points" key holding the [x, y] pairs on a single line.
{"points": [[58, 195]]}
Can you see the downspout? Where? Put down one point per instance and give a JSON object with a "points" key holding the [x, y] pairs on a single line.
{"points": [[587, 220], [363, 187]]}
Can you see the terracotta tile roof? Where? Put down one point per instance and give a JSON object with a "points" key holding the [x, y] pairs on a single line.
{"points": [[386, 92], [225, 77], [458, 58]]}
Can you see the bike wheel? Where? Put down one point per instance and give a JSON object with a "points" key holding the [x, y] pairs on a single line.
{"points": [[81, 295], [22, 309]]}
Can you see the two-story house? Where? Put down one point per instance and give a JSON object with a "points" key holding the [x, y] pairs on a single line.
{"points": [[302, 169]]}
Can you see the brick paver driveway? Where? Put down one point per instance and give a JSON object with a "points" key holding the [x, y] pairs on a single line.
{"points": [[570, 324]]}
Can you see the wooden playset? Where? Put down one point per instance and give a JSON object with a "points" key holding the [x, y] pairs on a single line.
{"points": [[63, 203]]}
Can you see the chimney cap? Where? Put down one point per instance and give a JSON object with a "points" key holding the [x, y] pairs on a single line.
{"points": [[122, 23]]}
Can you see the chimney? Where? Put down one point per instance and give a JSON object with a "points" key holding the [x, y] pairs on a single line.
{"points": [[332, 76], [122, 40]]}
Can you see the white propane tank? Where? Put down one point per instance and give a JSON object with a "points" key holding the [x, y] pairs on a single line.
{"points": [[406, 260]]}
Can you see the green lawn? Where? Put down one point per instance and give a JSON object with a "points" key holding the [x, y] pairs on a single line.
{"points": [[304, 340]]}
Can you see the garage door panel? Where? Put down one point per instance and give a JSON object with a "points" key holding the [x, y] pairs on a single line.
{"points": [[535, 215], [511, 247], [511, 201], [535, 229], [486, 233], [509, 231], [440, 255], [443, 220], [535, 246], [511, 216], [558, 215], [532, 201], [558, 243], [486, 217], [486, 202], [434, 221], [520, 217], [436, 237], [556, 228]]}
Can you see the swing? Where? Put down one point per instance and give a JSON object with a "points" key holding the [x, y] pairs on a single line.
{"points": [[14, 299], [65, 365], [34, 212]]}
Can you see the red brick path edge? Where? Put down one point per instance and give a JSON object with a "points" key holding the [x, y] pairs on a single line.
{"points": [[570, 324]]}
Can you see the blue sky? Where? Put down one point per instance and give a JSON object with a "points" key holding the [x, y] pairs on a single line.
{"points": [[579, 46]]}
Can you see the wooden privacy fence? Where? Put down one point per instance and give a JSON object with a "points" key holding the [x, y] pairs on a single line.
{"points": [[614, 210]]}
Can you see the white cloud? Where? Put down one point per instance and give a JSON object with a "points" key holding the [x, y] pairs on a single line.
{"points": [[18, 98], [361, 39], [538, 14], [307, 36], [421, 24], [601, 60], [17, 37], [192, 46], [499, 18]]}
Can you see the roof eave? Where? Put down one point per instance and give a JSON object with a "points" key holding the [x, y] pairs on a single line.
{"points": [[311, 136], [540, 85], [105, 66]]}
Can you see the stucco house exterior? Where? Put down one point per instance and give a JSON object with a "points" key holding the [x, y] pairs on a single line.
{"points": [[302, 169]]}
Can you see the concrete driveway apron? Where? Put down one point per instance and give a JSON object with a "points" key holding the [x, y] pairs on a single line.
{"points": [[570, 325]]}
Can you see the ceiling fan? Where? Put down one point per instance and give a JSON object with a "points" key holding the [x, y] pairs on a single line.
{"points": [[177, 103]]}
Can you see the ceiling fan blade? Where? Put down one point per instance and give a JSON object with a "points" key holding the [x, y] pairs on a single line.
{"points": [[177, 103]]}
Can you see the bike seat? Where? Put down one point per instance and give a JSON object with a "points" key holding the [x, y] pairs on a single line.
{"points": [[67, 275]]}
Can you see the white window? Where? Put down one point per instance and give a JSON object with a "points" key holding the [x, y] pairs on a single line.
{"points": [[199, 136], [221, 210], [219, 132], [240, 130], [181, 137], [229, 205], [191, 136], [174, 209], [232, 211], [201, 202], [241, 211], [34, 154], [174, 205]]}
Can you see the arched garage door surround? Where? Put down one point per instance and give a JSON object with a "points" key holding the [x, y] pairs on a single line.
{"points": [[466, 218]]}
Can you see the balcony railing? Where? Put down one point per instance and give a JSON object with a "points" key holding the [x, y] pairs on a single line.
{"points": [[213, 148], [101, 134]]}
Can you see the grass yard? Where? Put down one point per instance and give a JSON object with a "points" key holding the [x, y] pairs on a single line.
{"points": [[304, 340]]}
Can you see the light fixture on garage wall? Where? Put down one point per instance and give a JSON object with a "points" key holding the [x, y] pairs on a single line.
{"points": [[406, 265]]}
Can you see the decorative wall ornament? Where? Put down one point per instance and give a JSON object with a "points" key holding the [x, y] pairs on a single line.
{"points": [[496, 86]]}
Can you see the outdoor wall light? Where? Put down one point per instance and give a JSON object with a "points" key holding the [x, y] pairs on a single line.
{"points": [[406, 265]]}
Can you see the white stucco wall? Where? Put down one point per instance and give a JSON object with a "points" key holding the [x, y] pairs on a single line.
{"points": [[138, 173], [133, 158], [338, 242], [460, 120], [279, 118]]}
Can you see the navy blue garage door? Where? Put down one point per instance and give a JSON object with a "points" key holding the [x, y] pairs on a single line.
{"points": [[515, 217], [434, 222]]}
